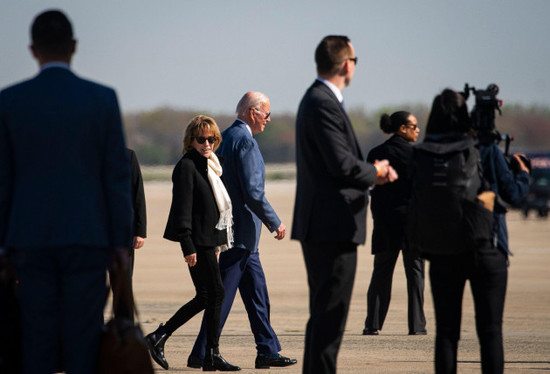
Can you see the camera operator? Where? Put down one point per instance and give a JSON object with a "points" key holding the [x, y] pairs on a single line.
{"points": [[510, 184], [508, 180]]}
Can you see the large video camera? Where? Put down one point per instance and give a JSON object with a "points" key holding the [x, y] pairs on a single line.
{"points": [[483, 121], [484, 112]]}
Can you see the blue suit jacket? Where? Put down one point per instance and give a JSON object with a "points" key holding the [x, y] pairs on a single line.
{"points": [[64, 171], [510, 187], [244, 174]]}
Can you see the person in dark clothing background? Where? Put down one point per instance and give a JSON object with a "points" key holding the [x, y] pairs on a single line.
{"points": [[389, 210], [139, 229], [510, 185], [139, 208], [484, 265]]}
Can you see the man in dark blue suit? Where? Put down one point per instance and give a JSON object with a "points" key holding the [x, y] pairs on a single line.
{"points": [[64, 200], [331, 200], [240, 266]]}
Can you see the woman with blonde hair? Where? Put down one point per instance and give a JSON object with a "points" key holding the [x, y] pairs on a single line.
{"points": [[200, 220]]}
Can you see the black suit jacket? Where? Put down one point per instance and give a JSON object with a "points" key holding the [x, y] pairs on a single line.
{"points": [[138, 197], [332, 175], [389, 202], [194, 213]]}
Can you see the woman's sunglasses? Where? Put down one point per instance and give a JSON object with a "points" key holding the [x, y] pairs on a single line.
{"points": [[202, 139]]}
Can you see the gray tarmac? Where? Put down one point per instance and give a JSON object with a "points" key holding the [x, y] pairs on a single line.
{"points": [[162, 284]]}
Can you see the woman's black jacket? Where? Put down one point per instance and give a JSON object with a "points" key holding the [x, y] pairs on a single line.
{"points": [[193, 213], [389, 202]]}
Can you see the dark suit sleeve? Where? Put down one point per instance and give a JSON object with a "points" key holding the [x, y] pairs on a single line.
{"points": [[138, 197], [6, 174], [336, 151], [251, 171]]}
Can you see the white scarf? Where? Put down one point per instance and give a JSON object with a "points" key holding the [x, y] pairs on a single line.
{"points": [[222, 200]]}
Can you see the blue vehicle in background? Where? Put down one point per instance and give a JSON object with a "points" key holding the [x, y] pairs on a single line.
{"points": [[538, 198]]}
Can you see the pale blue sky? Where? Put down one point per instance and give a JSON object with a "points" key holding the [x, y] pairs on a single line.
{"points": [[205, 54]]}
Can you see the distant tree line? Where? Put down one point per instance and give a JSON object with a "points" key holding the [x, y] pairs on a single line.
{"points": [[157, 135]]}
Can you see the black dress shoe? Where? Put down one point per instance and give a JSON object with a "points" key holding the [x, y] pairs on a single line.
{"points": [[423, 332], [367, 331], [265, 362], [214, 361], [194, 362], [155, 342]]}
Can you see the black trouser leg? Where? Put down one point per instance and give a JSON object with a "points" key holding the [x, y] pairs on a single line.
{"points": [[447, 279], [414, 271], [379, 293], [209, 295], [331, 273], [488, 283]]}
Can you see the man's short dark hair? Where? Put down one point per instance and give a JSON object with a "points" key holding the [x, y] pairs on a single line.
{"points": [[52, 33], [331, 52]]}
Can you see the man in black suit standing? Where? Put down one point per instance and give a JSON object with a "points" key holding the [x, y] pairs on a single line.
{"points": [[139, 208], [64, 200], [331, 200], [139, 226]]}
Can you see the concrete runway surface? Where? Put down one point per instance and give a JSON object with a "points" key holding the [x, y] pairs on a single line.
{"points": [[162, 284]]}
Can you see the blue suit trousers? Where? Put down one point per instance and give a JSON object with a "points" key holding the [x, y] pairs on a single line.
{"points": [[61, 294], [241, 269]]}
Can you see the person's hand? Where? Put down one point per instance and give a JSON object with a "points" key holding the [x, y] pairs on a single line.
{"points": [[521, 165], [392, 175], [385, 172], [138, 242], [280, 232], [191, 259]]}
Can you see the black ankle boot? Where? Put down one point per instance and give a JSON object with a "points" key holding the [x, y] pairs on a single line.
{"points": [[155, 342], [213, 361]]}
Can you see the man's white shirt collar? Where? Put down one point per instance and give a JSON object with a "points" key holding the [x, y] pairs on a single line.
{"points": [[247, 127], [55, 64], [334, 89]]}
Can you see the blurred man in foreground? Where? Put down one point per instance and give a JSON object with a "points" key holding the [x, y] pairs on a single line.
{"points": [[64, 200]]}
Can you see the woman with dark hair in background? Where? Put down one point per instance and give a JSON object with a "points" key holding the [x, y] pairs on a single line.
{"points": [[389, 210], [200, 220], [472, 254]]}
